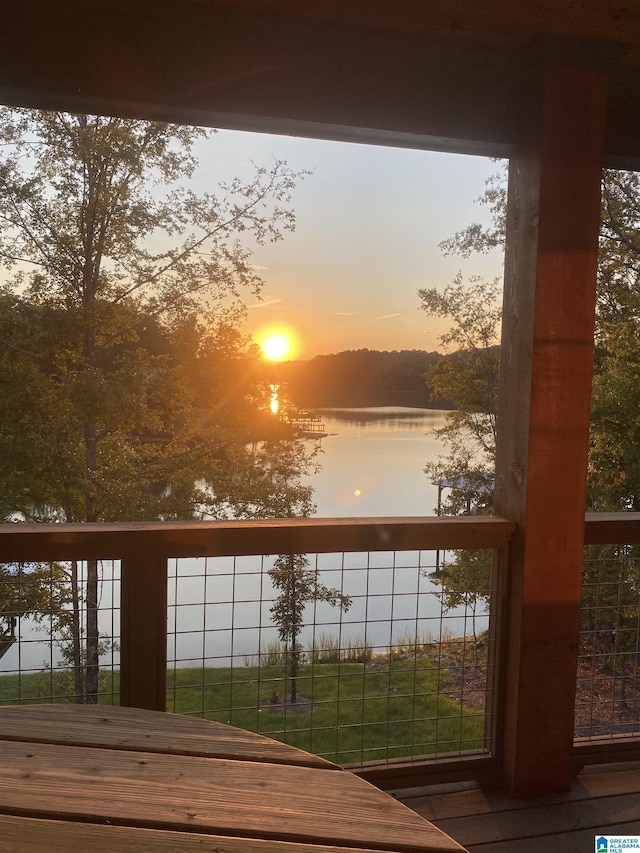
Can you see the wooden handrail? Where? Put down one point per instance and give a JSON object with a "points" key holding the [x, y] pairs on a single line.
{"points": [[612, 528], [22, 542]]}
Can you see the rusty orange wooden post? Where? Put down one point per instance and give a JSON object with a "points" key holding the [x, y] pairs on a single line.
{"points": [[143, 631], [546, 368]]}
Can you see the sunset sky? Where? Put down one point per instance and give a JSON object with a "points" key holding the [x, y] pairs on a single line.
{"points": [[369, 220]]}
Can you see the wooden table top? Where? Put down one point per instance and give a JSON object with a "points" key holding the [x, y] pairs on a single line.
{"points": [[77, 778]]}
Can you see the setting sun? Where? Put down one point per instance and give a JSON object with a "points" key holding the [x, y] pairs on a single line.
{"points": [[277, 345]]}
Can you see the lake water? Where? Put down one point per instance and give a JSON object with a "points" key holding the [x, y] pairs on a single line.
{"points": [[372, 464], [373, 461]]}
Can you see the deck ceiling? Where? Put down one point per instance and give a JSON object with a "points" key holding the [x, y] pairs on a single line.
{"points": [[446, 74]]}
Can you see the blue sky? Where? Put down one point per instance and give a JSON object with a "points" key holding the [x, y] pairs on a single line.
{"points": [[369, 220]]}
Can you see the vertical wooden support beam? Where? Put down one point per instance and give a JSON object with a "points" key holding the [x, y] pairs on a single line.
{"points": [[143, 631], [546, 368], [496, 648]]}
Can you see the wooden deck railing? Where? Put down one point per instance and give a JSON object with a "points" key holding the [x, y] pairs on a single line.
{"points": [[144, 548]]}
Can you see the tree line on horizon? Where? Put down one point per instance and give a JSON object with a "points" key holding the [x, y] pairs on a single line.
{"points": [[363, 378]]}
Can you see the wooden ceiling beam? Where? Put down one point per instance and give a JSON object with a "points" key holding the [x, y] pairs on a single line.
{"points": [[229, 64], [493, 22]]}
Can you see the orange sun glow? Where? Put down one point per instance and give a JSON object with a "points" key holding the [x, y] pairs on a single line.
{"points": [[276, 346]]}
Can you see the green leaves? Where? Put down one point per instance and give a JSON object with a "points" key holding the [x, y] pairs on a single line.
{"points": [[468, 377], [38, 590], [120, 371]]}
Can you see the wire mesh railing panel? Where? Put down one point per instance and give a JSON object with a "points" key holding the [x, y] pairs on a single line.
{"points": [[59, 632], [608, 683], [358, 657]]}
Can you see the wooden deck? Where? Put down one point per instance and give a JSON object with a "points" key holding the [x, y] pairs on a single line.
{"points": [[603, 801]]}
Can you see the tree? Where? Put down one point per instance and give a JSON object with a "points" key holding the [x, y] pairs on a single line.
{"points": [[619, 249], [276, 490], [468, 377], [611, 577], [125, 285], [614, 463], [298, 584], [466, 581], [39, 590], [614, 469]]}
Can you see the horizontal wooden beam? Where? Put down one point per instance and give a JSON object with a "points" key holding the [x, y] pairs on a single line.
{"points": [[604, 750], [612, 528], [271, 536], [426, 770], [242, 68], [492, 22], [268, 68], [22, 542]]}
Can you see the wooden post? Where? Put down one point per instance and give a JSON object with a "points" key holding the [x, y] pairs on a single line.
{"points": [[143, 631], [546, 368]]}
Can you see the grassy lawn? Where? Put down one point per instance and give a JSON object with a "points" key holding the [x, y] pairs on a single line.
{"points": [[52, 686], [347, 712]]}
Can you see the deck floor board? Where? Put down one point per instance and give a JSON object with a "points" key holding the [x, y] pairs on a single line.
{"points": [[600, 802]]}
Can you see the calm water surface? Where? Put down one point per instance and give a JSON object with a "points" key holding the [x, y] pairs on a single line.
{"points": [[373, 461]]}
